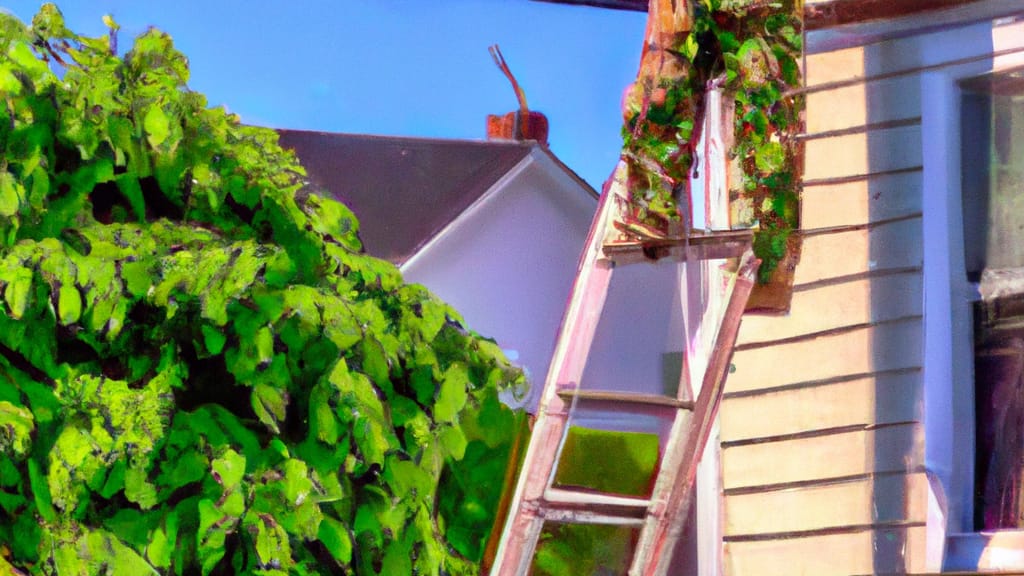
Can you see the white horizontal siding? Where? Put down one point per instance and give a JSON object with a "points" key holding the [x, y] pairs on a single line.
{"points": [[857, 502], [866, 400], [862, 201], [894, 448], [828, 307]]}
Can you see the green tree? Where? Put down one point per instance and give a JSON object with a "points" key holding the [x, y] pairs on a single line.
{"points": [[200, 369]]}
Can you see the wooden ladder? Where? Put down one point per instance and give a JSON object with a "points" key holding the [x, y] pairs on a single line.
{"points": [[714, 273]]}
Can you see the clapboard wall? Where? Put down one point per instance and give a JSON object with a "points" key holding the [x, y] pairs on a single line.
{"points": [[821, 425]]}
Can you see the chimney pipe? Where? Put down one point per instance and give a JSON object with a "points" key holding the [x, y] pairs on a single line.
{"points": [[523, 124]]}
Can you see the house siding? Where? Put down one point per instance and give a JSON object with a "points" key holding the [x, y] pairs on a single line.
{"points": [[821, 423]]}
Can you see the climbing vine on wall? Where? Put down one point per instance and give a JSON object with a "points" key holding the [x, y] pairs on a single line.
{"points": [[750, 49], [200, 371]]}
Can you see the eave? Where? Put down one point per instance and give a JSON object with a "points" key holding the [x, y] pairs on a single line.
{"points": [[817, 15]]}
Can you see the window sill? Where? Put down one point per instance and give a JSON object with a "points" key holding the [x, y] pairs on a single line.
{"points": [[986, 551]]}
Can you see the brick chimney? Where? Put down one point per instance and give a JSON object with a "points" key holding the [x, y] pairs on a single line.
{"points": [[523, 124]]}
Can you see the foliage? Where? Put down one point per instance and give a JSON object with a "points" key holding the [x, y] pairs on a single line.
{"points": [[200, 371], [751, 49], [583, 462], [585, 549], [593, 548]]}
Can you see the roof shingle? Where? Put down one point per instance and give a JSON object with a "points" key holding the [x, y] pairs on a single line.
{"points": [[403, 190]]}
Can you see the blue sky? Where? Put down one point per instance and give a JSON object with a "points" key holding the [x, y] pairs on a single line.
{"points": [[397, 67]]}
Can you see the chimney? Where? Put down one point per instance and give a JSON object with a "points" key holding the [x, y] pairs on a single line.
{"points": [[523, 124]]}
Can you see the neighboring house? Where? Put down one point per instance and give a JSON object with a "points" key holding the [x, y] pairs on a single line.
{"points": [[877, 428], [494, 228]]}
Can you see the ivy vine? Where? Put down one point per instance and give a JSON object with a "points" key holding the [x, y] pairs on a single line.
{"points": [[200, 370], [750, 49]]}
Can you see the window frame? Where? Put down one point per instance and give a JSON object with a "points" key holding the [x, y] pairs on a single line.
{"points": [[948, 354]]}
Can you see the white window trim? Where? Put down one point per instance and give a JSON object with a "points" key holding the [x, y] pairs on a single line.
{"points": [[948, 356]]}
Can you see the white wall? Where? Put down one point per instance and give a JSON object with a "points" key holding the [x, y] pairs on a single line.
{"points": [[508, 262]]}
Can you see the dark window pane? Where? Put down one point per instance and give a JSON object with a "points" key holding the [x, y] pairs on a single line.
{"points": [[992, 133], [999, 413]]}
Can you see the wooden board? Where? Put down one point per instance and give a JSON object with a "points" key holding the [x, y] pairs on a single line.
{"points": [[899, 56], [857, 352], [888, 247], [858, 105], [829, 307], [892, 448], [870, 199], [852, 155], [826, 14], [858, 502], [827, 555], [877, 399]]}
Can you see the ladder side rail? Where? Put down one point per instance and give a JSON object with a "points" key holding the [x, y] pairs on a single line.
{"points": [[525, 520], [673, 492]]}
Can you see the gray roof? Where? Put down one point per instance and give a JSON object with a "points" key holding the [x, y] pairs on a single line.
{"points": [[403, 190]]}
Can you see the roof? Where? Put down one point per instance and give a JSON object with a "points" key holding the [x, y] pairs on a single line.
{"points": [[405, 190]]}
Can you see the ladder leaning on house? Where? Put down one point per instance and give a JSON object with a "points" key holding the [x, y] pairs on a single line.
{"points": [[713, 272]]}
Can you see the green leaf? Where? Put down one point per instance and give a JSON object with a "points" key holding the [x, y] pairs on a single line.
{"points": [[162, 542], [213, 339], [211, 535], [41, 492], [22, 55], [770, 157], [69, 305], [397, 559], [138, 489], [18, 292], [157, 126], [422, 381], [297, 483], [375, 364], [454, 442], [690, 47], [272, 547], [229, 469], [115, 480], [137, 277], [188, 467], [131, 526], [270, 405], [453, 394], [406, 478], [758, 121], [336, 539], [16, 427], [11, 193], [728, 42]]}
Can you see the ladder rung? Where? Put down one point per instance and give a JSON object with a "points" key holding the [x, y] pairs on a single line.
{"points": [[588, 517], [626, 397], [591, 498], [709, 246], [586, 507]]}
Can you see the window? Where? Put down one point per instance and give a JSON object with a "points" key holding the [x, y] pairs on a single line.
{"points": [[972, 120], [992, 196]]}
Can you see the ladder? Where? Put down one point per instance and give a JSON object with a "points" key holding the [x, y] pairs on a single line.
{"points": [[713, 274]]}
